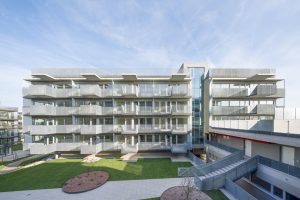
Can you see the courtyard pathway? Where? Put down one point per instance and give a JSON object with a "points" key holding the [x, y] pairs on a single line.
{"points": [[122, 190]]}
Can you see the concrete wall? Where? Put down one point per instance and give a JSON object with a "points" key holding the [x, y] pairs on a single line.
{"points": [[271, 151], [281, 180], [232, 142], [263, 125]]}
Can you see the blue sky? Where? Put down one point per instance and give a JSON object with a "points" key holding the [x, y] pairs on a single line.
{"points": [[147, 36]]}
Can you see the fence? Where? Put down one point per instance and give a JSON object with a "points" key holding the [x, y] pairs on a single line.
{"points": [[288, 169]]}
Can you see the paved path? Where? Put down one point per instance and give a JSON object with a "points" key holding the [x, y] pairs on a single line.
{"points": [[121, 190]]}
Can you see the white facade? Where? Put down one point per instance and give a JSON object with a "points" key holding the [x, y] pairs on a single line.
{"points": [[87, 111]]}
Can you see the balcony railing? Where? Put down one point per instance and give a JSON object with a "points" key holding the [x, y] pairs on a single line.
{"points": [[96, 129], [229, 92], [145, 110], [229, 110], [181, 110], [52, 129], [96, 91], [180, 129], [264, 109], [152, 146], [42, 110]]}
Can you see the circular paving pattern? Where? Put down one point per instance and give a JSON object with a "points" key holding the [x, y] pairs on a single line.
{"points": [[85, 182], [179, 193]]}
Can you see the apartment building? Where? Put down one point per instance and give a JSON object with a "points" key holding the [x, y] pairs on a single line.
{"points": [[88, 111], [9, 134], [245, 94]]}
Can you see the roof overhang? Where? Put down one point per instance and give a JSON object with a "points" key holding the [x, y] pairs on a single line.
{"points": [[261, 77]]}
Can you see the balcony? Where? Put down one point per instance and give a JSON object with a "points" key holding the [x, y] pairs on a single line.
{"points": [[48, 110], [144, 146], [39, 91], [181, 110], [229, 92], [181, 92], [264, 109], [126, 110], [145, 129], [89, 110], [129, 129], [52, 129], [40, 148], [95, 129], [162, 93], [268, 91], [180, 129], [229, 110], [162, 110], [145, 110], [125, 91], [90, 91], [179, 148]]}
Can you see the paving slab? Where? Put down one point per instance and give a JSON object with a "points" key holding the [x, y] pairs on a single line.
{"points": [[123, 190]]}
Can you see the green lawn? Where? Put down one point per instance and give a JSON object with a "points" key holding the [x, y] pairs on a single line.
{"points": [[216, 195], [54, 173]]}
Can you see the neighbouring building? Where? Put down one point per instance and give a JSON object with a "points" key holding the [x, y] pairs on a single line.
{"points": [[88, 111], [9, 134]]}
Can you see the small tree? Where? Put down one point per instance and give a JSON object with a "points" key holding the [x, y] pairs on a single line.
{"points": [[188, 185]]}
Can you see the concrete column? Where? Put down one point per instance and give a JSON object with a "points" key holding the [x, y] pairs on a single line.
{"points": [[53, 139], [159, 138], [166, 140], [153, 138], [125, 140], [171, 142], [73, 137], [91, 140], [47, 140], [132, 123], [132, 140], [139, 139], [176, 139]]}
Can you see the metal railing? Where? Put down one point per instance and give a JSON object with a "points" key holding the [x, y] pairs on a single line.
{"points": [[218, 181], [229, 110], [288, 169], [229, 92], [212, 129], [237, 191]]}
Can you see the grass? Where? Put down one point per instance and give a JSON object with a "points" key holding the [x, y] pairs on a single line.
{"points": [[216, 195], [55, 172]]}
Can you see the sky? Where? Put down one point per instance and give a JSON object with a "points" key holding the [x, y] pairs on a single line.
{"points": [[147, 36]]}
